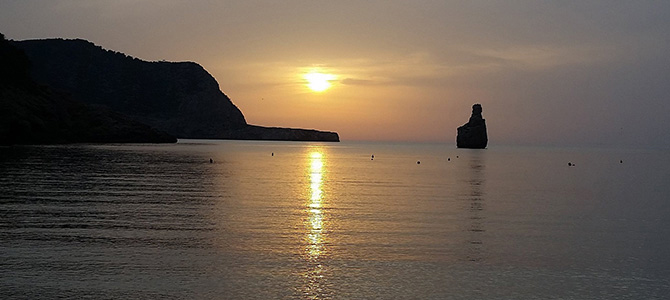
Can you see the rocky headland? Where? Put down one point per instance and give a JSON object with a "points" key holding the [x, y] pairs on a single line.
{"points": [[32, 113], [180, 98]]}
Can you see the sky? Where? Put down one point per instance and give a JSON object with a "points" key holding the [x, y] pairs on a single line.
{"points": [[559, 73]]}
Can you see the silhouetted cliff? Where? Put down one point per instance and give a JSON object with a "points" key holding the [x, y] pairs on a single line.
{"points": [[35, 114], [180, 98], [253, 132]]}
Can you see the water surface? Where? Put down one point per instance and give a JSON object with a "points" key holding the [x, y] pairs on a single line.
{"points": [[279, 220]]}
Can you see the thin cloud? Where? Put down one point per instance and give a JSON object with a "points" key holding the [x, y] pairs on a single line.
{"points": [[354, 81]]}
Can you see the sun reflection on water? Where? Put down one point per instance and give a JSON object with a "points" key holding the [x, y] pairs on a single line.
{"points": [[315, 224]]}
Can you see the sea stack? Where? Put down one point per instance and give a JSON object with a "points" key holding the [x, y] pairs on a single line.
{"points": [[473, 133]]}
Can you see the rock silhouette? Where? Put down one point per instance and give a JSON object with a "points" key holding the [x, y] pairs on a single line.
{"points": [[473, 133], [180, 98], [31, 113]]}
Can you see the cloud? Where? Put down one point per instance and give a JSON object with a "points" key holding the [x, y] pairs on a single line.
{"points": [[353, 81]]}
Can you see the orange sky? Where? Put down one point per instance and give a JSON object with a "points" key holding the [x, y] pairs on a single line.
{"points": [[560, 73]]}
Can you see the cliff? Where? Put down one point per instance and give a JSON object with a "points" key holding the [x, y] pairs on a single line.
{"points": [[253, 132], [35, 114], [180, 98], [473, 133]]}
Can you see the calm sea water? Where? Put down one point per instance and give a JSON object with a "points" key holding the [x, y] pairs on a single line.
{"points": [[275, 220]]}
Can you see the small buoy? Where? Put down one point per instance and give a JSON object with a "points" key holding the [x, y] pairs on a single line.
{"points": [[273, 154], [372, 157], [621, 161], [418, 162], [456, 156], [211, 160], [448, 158]]}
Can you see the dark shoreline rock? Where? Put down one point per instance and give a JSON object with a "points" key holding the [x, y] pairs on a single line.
{"points": [[37, 115], [31, 113], [180, 98], [253, 132], [472, 134]]}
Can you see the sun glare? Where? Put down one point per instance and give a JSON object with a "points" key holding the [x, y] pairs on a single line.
{"points": [[319, 82]]}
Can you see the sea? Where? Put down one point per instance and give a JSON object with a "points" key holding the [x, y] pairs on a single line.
{"points": [[204, 219]]}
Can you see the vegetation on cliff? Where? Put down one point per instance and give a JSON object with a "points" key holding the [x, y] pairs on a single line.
{"points": [[31, 113]]}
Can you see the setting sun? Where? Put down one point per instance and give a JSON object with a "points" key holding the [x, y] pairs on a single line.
{"points": [[318, 82]]}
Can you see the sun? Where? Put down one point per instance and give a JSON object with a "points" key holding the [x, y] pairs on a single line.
{"points": [[319, 82]]}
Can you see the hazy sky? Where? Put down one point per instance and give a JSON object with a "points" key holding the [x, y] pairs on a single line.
{"points": [[546, 72]]}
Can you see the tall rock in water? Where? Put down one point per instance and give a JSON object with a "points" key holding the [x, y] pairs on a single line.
{"points": [[473, 133]]}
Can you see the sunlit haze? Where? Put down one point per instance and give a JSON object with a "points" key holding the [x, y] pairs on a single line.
{"points": [[319, 82], [546, 72]]}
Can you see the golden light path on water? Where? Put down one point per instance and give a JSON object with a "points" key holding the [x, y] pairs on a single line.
{"points": [[315, 285], [315, 206]]}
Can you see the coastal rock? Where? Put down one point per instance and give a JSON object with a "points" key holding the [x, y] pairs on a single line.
{"points": [[36, 114], [180, 98], [473, 133], [253, 132]]}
